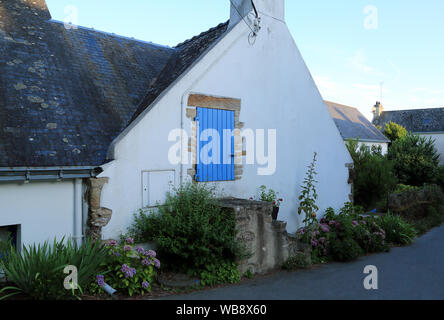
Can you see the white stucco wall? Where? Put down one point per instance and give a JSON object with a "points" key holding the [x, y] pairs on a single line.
{"points": [[439, 143], [277, 92], [43, 210]]}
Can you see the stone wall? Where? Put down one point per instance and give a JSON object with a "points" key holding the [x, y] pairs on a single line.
{"points": [[98, 217], [267, 241]]}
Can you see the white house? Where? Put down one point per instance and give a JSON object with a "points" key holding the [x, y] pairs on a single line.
{"points": [[100, 119], [424, 122], [353, 125]]}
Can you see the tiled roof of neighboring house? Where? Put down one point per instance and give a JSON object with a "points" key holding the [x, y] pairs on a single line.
{"points": [[352, 124], [417, 120], [65, 95]]}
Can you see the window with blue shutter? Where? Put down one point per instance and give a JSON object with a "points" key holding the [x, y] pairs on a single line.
{"points": [[215, 150]]}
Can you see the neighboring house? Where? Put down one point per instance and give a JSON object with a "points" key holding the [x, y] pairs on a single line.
{"points": [[89, 120], [353, 125], [424, 122]]}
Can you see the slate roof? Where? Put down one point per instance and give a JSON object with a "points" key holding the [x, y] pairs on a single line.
{"points": [[186, 54], [352, 124], [417, 120], [65, 95]]}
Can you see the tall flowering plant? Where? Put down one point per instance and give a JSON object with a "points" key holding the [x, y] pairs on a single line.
{"points": [[127, 269]]}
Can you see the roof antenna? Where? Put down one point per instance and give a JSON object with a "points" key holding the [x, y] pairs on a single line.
{"points": [[254, 8], [256, 23], [381, 86]]}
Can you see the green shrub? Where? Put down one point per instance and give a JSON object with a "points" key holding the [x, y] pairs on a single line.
{"points": [[397, 230], [394, 131], [401, 188], [415, 160], [343, 236], [127, 269], [39, 271], [191, 230], [370, 235], [373, 177], [298, 261], [346, 249], [221, 273]]}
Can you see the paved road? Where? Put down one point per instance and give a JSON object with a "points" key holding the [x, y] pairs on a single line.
{"points": [[414, 272]]}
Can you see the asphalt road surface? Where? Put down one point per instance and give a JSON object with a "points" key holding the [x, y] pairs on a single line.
{"points": [[413, 272]]}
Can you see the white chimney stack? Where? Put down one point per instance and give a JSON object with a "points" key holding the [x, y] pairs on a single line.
{"points": [[241, 8]]}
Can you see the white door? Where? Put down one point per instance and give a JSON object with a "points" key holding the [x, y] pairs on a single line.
{"points": [[155, 185]]}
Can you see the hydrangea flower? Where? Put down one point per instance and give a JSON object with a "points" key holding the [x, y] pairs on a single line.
{"points": [[156, 263], [127, 248], [355, 223], [146, 261], [140, 250], [111, 243], [314, 243], [325, 228], [145, 284], [129, 272], [116, 254], [150, 253], [100, 280], [129, 240]]}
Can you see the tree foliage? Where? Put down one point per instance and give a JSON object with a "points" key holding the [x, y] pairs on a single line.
{"points": [[373, 175], [394, 131], [415, 158]]}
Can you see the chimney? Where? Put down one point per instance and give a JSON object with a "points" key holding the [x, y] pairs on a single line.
{"points": [[241, 8], [377, 110]]}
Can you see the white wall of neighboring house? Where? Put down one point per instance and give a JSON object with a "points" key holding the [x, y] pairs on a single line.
{"points": [[439, 142], [43, 210], [383, 145], [277, 92]]}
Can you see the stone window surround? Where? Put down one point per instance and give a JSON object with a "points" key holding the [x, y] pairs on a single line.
{"points": [[212, 102]]}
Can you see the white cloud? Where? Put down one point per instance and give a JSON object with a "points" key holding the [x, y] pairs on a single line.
{"points": [[359, 62]]}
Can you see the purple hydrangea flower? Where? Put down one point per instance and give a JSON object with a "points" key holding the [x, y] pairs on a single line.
{"points": [[111, 243], [116, 254], [129, 272], [140, 250], [100, 280], [127, 248], [146, 262], [157, 263], [325, 228], [314, 243], [150, 253], [145, 284], [355, 223], [129, 240]]}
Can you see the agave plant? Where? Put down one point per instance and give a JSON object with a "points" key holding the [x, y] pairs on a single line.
{"points": [[39, 271]]}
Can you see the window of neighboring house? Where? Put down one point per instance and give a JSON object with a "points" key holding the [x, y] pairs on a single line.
{"points": [[8, 233], [215, 152]]}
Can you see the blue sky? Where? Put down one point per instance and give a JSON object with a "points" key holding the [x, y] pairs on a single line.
{"points": [[348, 54]]}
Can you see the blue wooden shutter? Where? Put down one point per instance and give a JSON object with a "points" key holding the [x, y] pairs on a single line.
{"points": [[222, 166]]}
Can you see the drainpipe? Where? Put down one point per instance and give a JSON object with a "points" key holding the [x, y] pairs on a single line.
{"points": [[78, 212]]}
